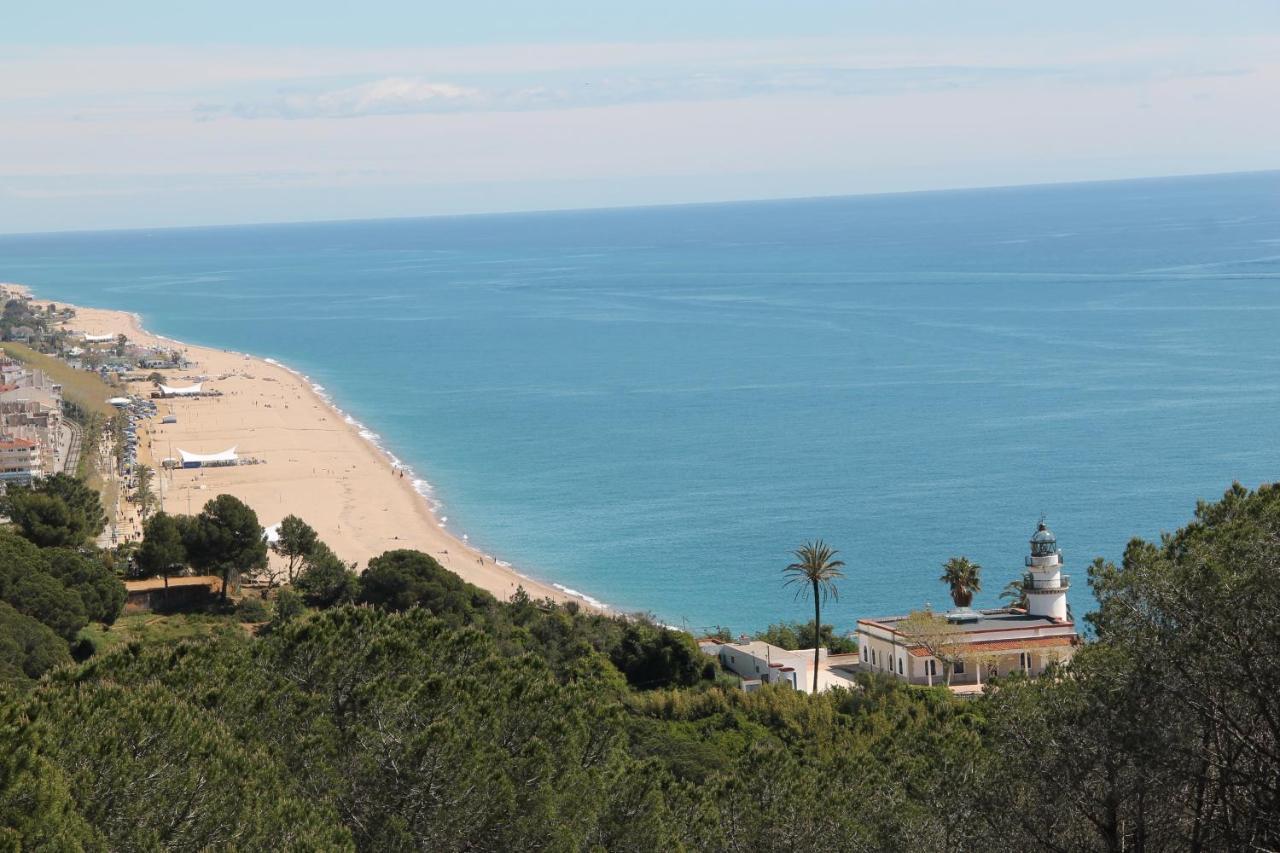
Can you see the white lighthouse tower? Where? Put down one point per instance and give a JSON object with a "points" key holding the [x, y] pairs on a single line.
{"points": [[1044, 583]]}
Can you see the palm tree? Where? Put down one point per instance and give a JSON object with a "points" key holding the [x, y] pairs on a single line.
{"points": [[962, 576], [815, 568], [1016, 593]]}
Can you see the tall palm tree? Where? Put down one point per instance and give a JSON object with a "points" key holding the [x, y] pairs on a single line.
{"points": [[816, 569], [962, 576]]}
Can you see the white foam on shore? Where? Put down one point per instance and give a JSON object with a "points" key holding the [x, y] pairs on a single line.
{"points": [[594, 602], [421, 486]]}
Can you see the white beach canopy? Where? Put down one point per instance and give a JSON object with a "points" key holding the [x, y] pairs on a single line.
{"points": [[272, 533], [185, 391], [206, 458], [98, 339]]}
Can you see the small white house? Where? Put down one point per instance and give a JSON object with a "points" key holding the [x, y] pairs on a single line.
{"points": [[758, 661]]}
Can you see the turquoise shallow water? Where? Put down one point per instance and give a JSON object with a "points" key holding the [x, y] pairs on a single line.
{"points": [[652, 406]]}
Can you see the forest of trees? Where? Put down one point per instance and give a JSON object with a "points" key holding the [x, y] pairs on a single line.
{"points": [[404, 709]]}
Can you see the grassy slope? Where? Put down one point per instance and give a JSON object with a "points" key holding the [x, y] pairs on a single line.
{"points": [[79, 386], [152, 628]]}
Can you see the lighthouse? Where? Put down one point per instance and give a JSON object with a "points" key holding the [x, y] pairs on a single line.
{"points": [[1044, 583]]}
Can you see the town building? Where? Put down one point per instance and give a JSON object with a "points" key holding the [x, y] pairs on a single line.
{"points": [[978, 644], [20, 461]]}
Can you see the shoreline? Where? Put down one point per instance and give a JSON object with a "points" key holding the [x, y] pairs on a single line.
{"points": [[349, 462]]}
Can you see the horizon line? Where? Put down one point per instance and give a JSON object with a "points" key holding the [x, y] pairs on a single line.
{"points": [[284, 223]]}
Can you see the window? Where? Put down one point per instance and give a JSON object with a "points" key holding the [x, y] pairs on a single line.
{"points": [[864, 654], [899, 666], [932, 666], [959, 670]]}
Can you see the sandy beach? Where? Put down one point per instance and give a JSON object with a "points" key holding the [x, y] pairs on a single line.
{"points": [[312, 462]]}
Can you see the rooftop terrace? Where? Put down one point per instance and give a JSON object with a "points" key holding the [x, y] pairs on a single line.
{"points": [[988, 620]]}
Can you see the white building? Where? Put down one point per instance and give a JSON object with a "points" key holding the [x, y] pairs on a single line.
{"points": [[757, 662], [984, 643]]}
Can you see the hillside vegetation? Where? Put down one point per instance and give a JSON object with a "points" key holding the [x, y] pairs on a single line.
{"points": [[407, 710]]}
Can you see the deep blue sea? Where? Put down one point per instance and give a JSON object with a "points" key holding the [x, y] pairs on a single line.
{"points": [[653, 406]]}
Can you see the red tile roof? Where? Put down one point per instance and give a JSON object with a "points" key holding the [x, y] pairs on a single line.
{"points": [[1006, 645]]}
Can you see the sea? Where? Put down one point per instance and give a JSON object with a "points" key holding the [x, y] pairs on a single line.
{"points": [[652, 407]]}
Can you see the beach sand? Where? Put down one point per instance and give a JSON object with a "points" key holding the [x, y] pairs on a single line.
{"points": [[314, 464]]}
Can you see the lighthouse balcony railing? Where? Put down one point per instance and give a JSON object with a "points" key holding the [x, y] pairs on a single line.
{"points": [[1031, 583]]}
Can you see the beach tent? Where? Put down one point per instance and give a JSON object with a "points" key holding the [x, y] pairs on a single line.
{"points": [[186, 391], [98, 339], [272, 533], [199, 460]]}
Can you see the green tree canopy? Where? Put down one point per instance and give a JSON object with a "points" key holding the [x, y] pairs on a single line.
{"points": [[326, 581], [149, 771], [37, 810], [58, 511], [98, 587], [651, 656], [44, 598], [27, 585], [28, 648], [799, 635], [298, 540], [162, 552], [401, 579], [226, 539]]}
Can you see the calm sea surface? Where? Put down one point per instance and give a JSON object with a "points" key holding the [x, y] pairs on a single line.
{"points": [[652, 406]]}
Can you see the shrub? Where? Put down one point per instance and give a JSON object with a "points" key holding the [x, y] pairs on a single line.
{"points": [[288, 606], [252, 609]]}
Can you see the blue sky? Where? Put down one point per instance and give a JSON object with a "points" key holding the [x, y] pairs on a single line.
{"points": [[140, 114]]}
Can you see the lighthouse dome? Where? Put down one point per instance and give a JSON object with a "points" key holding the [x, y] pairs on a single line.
{"points": [[1043, 542]]}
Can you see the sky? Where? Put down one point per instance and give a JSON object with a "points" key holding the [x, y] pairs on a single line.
{"points": [[151, 114]]}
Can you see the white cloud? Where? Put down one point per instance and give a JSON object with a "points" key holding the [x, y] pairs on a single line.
{"points": [[388, 96], [412, 96]]}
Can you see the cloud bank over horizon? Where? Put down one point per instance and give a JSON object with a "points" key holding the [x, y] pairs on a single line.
{"points": [[155, 134]]}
